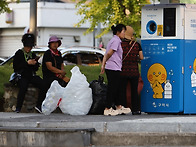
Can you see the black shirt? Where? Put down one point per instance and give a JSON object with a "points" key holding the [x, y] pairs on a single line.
{"points": [[55, 60], [20, 64]]}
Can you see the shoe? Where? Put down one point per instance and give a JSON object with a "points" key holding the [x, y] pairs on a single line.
{"points": [[124, 110], [17, 110], [136, 113], [111, 112], [38, 109]]}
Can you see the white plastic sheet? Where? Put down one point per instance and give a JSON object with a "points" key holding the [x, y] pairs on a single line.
{"points": [[74, 99]]}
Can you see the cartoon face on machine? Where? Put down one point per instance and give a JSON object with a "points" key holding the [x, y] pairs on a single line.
{"points": [[156, 76], [194, 65]]}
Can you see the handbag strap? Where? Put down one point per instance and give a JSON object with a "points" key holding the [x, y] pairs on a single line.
{"points": [[129, 50]]}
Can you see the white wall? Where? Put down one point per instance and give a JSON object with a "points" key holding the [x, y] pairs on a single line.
{"points": [[52, 19], [63, 33], [20, 16], [58, 14], [48, 15]]}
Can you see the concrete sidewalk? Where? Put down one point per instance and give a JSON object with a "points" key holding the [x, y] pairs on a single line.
{"points": [[120, 129], [151, 123]]}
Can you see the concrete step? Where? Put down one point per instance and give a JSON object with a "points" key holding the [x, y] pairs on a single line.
{"points": [[29, 129], [45, 137], [143, 139], [144, 146], [73, 137]]}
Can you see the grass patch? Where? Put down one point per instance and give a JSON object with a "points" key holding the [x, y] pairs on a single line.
{"points": [[91, 72], [5, 72]]}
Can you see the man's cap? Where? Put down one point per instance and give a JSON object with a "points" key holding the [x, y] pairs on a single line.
{"points": [[28, 40]]}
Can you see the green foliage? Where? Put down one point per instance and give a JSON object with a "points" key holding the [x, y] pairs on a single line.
{"points": [[4, 6], [110, 12], [91, 72], [188, 1], [5, 72]]}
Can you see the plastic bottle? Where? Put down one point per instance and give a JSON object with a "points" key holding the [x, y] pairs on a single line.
{"points": [[193, 79], [168, 90]]}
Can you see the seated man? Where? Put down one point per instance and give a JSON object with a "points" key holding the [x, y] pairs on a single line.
{"points": [[25, 63]]}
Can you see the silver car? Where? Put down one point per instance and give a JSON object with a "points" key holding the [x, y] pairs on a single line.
{"points": [[82, 55], [75, 55]]}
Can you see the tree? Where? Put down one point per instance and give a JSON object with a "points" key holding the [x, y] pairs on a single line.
{"points": [[110, 12], [4, 5]]}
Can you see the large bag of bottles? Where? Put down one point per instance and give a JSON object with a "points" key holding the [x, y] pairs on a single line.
{"points": [[77, 95]]}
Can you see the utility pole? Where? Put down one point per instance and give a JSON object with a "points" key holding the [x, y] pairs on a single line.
{"points": [[33, 18], [98, 32]]}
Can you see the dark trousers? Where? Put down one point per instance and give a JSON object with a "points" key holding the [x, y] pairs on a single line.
{"points": [[113, 89], [48, 81], [23, 86], [135, 101]]}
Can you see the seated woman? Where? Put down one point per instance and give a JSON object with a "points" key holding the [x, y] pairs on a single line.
{"points": [[52, 65]]}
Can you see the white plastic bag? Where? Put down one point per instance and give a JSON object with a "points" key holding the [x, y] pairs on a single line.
{"points": [[53, 97], [77, 96]]}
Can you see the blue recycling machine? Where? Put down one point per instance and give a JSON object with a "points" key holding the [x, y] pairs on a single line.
{"points": [[168, 70]]}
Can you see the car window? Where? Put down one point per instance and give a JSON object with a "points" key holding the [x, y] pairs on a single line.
{"points": [[70, 59], [82, 58], [89, 59]]}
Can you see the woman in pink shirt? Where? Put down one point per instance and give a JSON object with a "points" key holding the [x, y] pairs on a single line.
{"points": [[112, 64]]}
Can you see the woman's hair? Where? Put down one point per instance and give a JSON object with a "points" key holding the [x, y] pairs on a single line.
{"points": [[118, 28]]}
